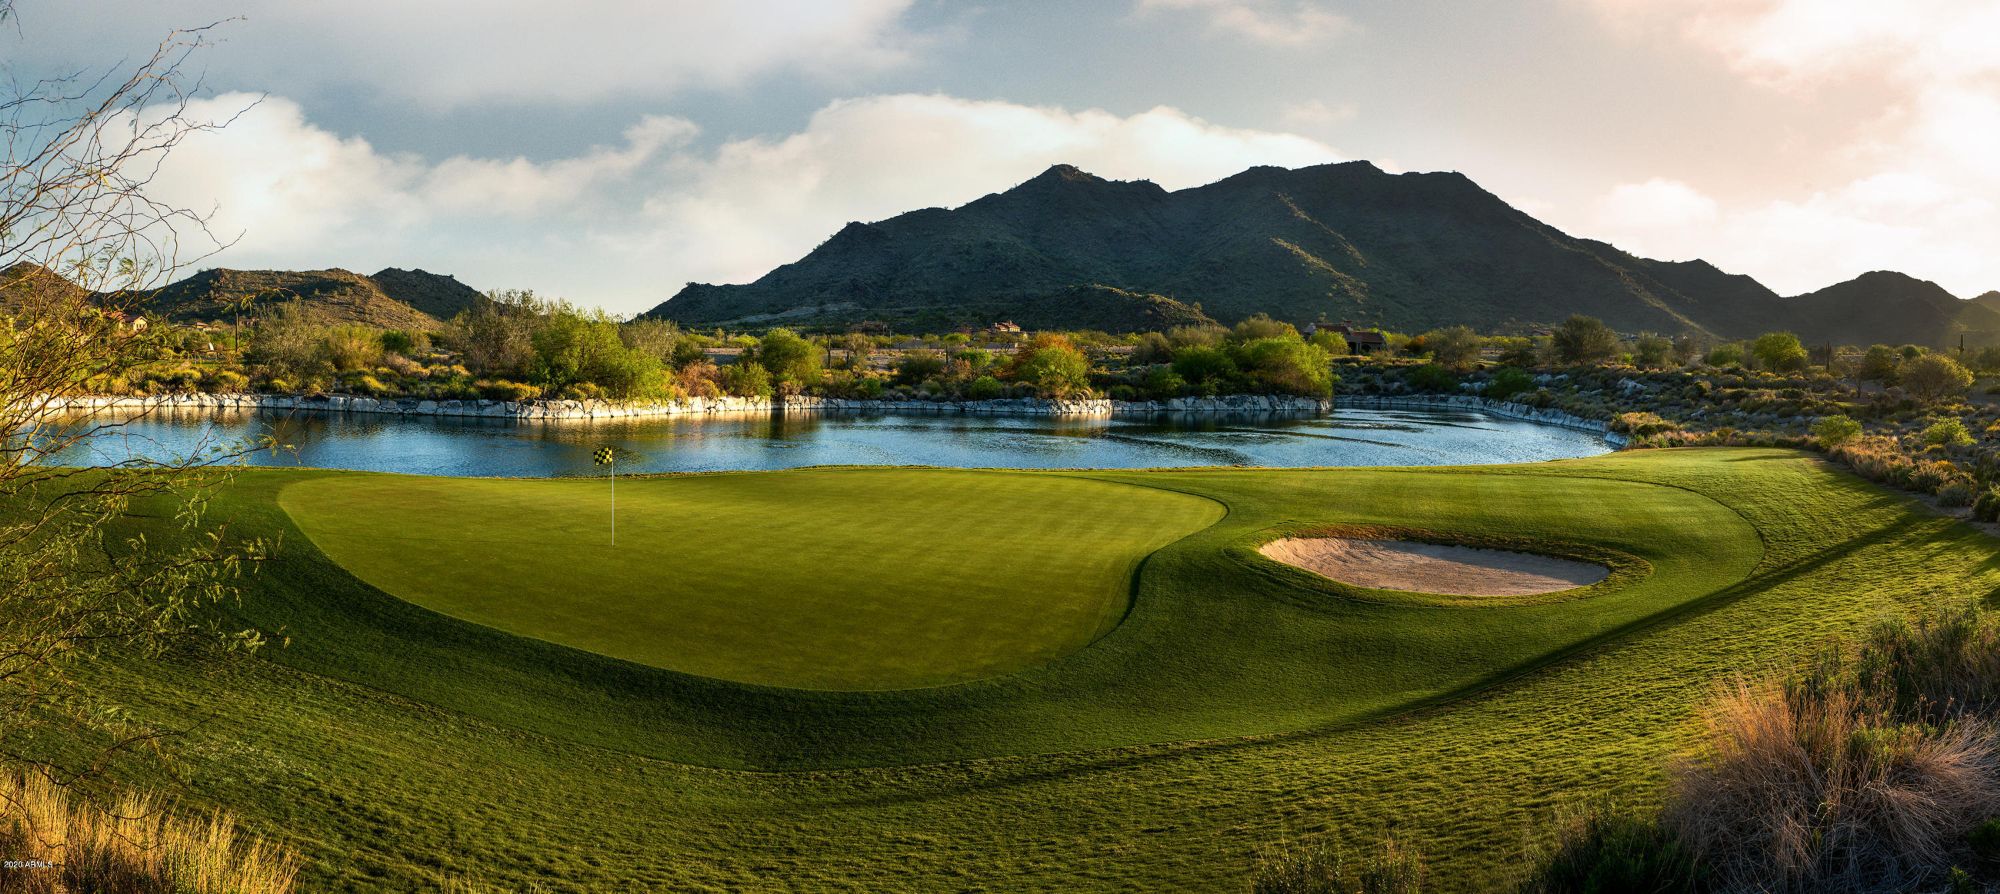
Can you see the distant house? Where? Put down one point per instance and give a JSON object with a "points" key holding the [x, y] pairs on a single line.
{"points": [[1006, 327], [125, 322], [1360, 341]]}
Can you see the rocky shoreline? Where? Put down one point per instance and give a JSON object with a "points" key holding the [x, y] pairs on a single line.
{"points": [[582, 410]]}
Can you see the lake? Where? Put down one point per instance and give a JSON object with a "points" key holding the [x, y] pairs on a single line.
{"points": [[455, 446]]}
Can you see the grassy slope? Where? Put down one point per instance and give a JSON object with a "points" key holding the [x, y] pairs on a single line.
{"points": [[854, 579], [389, 791]]}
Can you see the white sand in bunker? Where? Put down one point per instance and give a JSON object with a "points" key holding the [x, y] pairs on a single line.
{"points": [[1432, 567]]}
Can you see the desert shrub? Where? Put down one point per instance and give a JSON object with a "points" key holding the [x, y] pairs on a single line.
{"points": [[985, 388], [1581, 339], [135, 847], [746, 378], [1652, 351], [1204, 369], [1261, 326], [790, 359], [1509, 381], [1319, 867], [1432, 377], [369, 385], [1833, 431], [352, 347], [1599, 850], [1946, 432], [1153, 347], [405, 342], [1935, 377], [1866, 772], [1455, 348], [1053, 366], [1286, 365], [1932, 475], [1725, 355], [1986, 507], [1957, 492], [917, 367], [1879, 364], [225, 381], [1640, 425], [502, 389], [1778, 352], [698, 378]]}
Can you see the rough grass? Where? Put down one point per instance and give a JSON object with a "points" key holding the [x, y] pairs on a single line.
{"points": [[1240, 703], [849, 579], [56, 843]]}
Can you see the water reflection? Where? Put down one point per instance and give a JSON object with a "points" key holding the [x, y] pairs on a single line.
{"points": [[474, 446]]}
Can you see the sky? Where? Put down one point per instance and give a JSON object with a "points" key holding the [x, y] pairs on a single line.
{"points": [[608, 151]]}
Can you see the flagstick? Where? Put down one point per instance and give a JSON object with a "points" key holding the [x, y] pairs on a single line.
{"points": [[614, 501]]}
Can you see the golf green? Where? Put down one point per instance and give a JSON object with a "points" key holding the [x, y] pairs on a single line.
{"points": [[1236, 702], [824, 579]]}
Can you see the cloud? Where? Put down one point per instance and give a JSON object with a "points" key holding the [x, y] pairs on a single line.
{"points": [[1905, 221], [1315, 114], [444, 53], [1922, 179], [1262, 21], [625, 225]]}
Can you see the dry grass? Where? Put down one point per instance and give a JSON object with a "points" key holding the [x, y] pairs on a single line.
{"points": [[1319, 867], [1864, 775], [55, 843]]}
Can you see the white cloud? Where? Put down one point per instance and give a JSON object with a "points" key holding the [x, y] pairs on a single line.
{"points": [[1922, 186], [1263, 21], [623, 226], [1904, 221], [1317, 114], [443, 53]]}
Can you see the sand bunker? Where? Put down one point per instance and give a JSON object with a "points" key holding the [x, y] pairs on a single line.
{"points": [[1433, 568]]}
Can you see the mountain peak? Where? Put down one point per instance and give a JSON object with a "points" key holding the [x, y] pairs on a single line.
{"points": [[1068, 173]]}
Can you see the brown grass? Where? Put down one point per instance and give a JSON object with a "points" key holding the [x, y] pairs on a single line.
{"points": [[1824, 789], [55, 843]]}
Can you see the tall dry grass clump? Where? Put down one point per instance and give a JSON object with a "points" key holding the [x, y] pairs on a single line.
{"points": [[56, 844], [1864, 773], [1390, 866]]}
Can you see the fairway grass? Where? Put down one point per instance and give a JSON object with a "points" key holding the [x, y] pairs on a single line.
{"points": [[1238, 702], [846, 579]]}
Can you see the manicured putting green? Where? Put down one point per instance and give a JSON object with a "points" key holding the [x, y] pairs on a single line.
{"points": [[818, 579]]}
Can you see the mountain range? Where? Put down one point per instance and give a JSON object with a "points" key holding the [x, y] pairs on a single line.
{"points": [[391, 298], [1068, 249]]}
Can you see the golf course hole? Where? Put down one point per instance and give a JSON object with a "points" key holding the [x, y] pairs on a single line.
{"points": [[1432, 567]]}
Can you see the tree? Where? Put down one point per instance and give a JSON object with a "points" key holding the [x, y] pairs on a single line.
{"points": [[1935, 377], [1455, 348], [1261, 326], [1686, 348], [1833, 431], [1053, 366], [1779, 352], [791, 360], [77, 582], [496, 335], [1880, 364], [1582, 339], [1725, 355], [1286, 366], [1205, 369], [1652, 351]]}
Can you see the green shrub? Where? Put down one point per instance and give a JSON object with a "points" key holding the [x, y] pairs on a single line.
{"points": [[985, 388], [1601, 851], [1947, 433], [1833, 431], [1986, 507], [1957, 492], [1985, 843], [1507, 382], [746, 378], [502, 389], [1432, 377]]}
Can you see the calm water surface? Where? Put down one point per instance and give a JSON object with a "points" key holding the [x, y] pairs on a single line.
{"points": [[442, 446]]}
